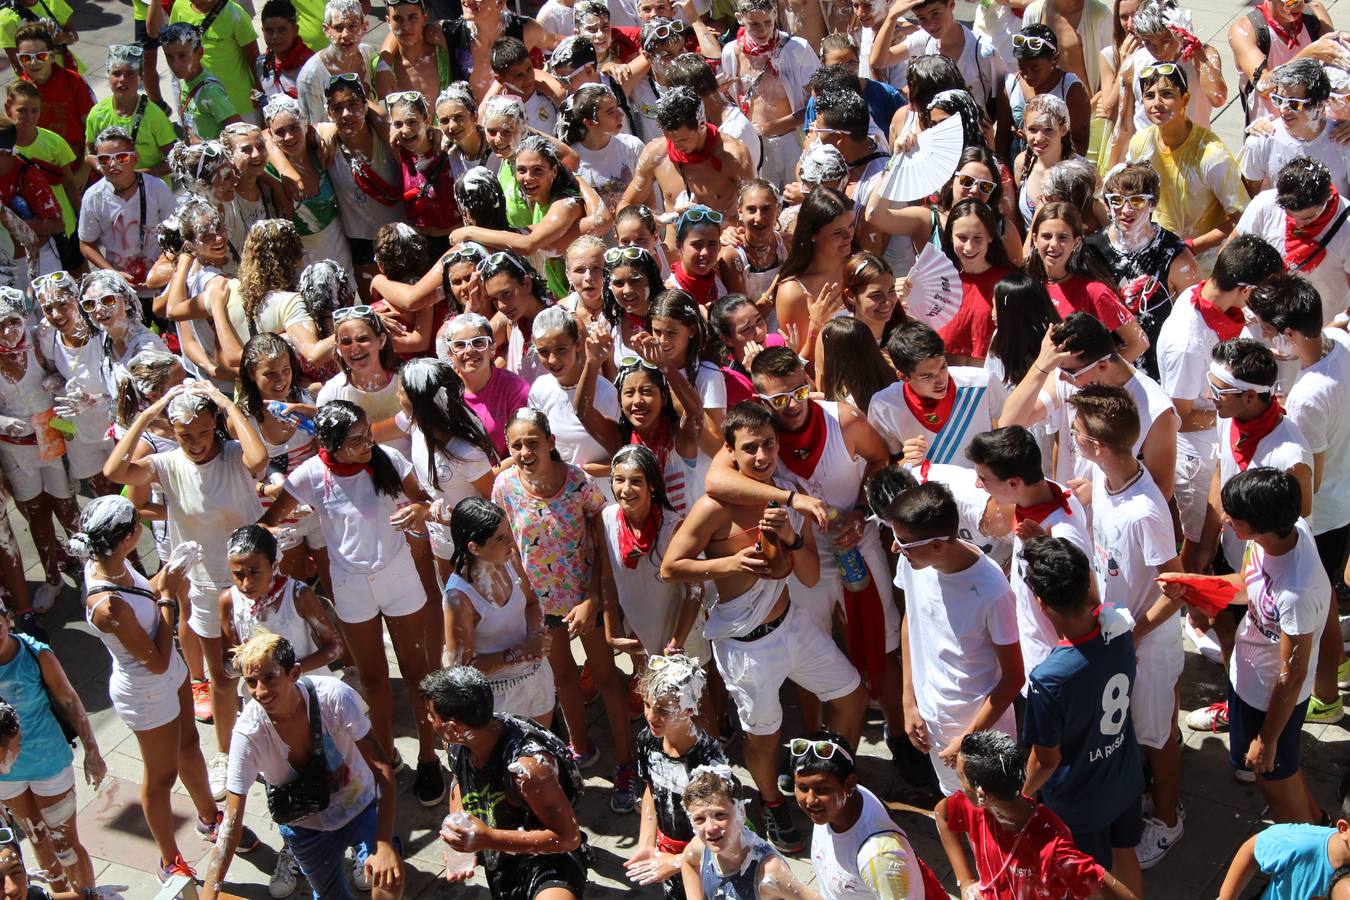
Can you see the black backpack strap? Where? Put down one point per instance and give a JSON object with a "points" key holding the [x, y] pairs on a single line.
{"points": [[315, 722], [1260, 30], [136, 118], [100, 586], [211, 16]]}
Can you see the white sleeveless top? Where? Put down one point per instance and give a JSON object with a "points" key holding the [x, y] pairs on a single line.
{"points": [[499, 627], [650, 605], [81, 367], [838, 474], [26, 397], [276, 613], [834, 855], [130, 677]]}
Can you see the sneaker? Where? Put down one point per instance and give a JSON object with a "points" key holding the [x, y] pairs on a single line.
{"points": [[1343, 675], [780, 830], [27, 623], [1212, 718], [398, 765], [207, 831], [1244, 776], [360, 879], [44, 598], [178, 867], [429, 786], [1146, 807], [1345, 630], [1157, 840], [201, 703], [589, 692], [1321, 711], [624, 798], [283, 881], [586, 762], [1206, 642], [216, 771]]}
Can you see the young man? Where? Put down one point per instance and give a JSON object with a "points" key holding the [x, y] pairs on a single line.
{"points": [[315, 727], [1290, 314], [1271, 671], [1266, 38], [934, 411], [962, 660], [1008, 463], [515, 786], [126, 107], [514, 73], [66, 97], [278, 70], [883, 101], [940, 33], [693, 162], [24, 12], [1298, 860], [119, 214], [415, 65], [1022, 849], [204, 103], [759, 638], [768, 70], [692, 71], [1303, 218], [1133, 542], [344, 24], [1074, 355], [1084, 759], [65, 172], [1202, 316], [229, 47], [1300, 90]]}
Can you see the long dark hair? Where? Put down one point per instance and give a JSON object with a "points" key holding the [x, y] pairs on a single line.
{"points": [[996, 254], [436, 395], [564, 182], [854, 366], [984, 157], [519, 269], [581, 106], [389, 360], [472, 520], [1081, 263], [262, 346], [821, 207], [1025, 313], [676, 304], [642, 458], [479, 194], [668, 411], [334, 421], [651, 271]]}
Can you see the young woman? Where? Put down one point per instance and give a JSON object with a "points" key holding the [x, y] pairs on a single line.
{"points": [[1023, 313], [457, 119], [632, 279], [519, 294], [400, 255], [493, 619], [821, 244], [1046, 125], [209, 485], [557, 340], [353, 485], [1039, 73], [368, 369], [426, 180], [970, 239], [870, 296], [592, 123], [698, 242], [492, 393], [1075, 282], [198, 287], [737, 322], [636, 226], [257, 194], [750, 266], [852, 367], [554, 511], [680, 341], [207, 170], [586, 274]]}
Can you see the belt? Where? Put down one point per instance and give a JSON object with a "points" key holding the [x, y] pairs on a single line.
{"points": [[764, 630]]}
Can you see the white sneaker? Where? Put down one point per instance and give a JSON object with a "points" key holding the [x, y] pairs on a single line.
{"points": [[1206, 642], [1345, 630], [1212, 718], [283, 881], [360, 880], [1244, 776], [1157, 840], [216, 770], [44, 598]]}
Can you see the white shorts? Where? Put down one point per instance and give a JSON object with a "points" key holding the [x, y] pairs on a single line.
{"points": [[394, 591], [529, 692], [48, 787], [441, 546], [754, 671], [204, 616], [819, 602], [779, 156], [1160, 658], [85, 459], [1191, 489], [29, 476]]}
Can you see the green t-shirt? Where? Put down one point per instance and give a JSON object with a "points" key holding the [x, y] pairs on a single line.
{"points": [[156, 130], [205, 113], [11, 22], [49, 147], [223, 49], [309, 14]]}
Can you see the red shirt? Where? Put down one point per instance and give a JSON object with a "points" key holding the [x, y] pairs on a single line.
{"points": [[1039, 861], [1078, 294], [66, 101], [28, 182], [971, 331]]}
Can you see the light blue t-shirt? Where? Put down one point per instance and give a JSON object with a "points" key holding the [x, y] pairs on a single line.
{"points": [[43, 752], [1295, 858]]}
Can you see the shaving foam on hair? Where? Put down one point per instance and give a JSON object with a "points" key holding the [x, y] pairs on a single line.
{"points": [[680, 678], [13, 304], [187, 406]]}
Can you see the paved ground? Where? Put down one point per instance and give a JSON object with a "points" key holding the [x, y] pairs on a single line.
{"points": [[1221, 813]]}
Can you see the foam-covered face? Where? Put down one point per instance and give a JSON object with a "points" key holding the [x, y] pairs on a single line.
{"points": [[288, 130], [759, 25], [109, 311], [467, 359], [821, 796], [11, 331], [503, 133], [346, 33], [252, 574], [13, 875], [629, 286], [661, 714], [61, 311], [197, 436], [718, 823], [274, 377], [596, 29], [408, 126], [359, 345], [124, 80], [1043, 132], [868, 12], [640, 400], [357, 445], [213, 239], [498, 548]]}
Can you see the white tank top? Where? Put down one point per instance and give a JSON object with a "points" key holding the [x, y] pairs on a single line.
{"points": [[26, 397], [282, 618], [834, 855], [128, 672], [499, 627], [838, 475], [81, 367]]}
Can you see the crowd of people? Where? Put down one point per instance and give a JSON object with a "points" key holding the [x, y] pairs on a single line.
{"points": [[604, 335]]}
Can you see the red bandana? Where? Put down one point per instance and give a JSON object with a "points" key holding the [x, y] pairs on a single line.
{"points": [[1243, 437], [1301, 249], [703, 288], [660, 443], [291, 60], [752, 49], [636, 543], [1226, 323], [1037, 513], [343, 470], [801, 450], [706, 155], [932, 414], [1287, 33], [637, 323]]}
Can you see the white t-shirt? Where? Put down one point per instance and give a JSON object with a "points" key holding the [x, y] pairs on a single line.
{"points": [[1265, 218], [1149, 398], [114, 225], [574, 442], [972, 502], [979, 64], [955, 622], [457, 466], [1037, 634], [378, 405], [1283, 448], [1263, 155], [353, 517], [256, 749], [1319, 405], [556, 18], [610, 170], [1132, 536], [1286, 594], [891, 417]]}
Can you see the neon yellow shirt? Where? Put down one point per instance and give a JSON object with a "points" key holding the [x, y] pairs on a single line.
{"points": [[49, 147], [156, 131], [223, 49], [11, 22], [309, 15]]}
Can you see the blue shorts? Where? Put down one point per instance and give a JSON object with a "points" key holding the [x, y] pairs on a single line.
{"points": [[321, 855], [1244, 723], [1126, 830]]}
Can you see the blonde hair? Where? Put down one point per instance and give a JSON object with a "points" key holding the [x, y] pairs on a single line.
{"points": [[264, 647]]}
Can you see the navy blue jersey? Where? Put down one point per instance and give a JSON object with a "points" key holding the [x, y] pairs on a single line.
{"points": [[1079, 701]]}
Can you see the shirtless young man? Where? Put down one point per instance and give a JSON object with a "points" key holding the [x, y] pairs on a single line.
{"points": [[468, 40], [692, 162], [758, 637], [415, 64]]}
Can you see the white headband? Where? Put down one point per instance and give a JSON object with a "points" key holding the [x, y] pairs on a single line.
{"points": [[1222, 373]]}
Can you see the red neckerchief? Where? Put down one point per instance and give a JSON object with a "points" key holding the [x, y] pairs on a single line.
{"points": [[637, 323], [292, 59], [660, 443], [20, 347], [706, 155], [1288, 34], [1038, 512], [752, 49], [703, 288], [931, 414], [1243, 437], [343, 470], [273, 590], [1301, 248], [1226, 323], [636, 543], [800, 450]]}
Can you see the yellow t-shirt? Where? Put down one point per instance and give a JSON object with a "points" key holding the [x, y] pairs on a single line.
{"points": [[11, 22], [49, 147], [223, 49]]}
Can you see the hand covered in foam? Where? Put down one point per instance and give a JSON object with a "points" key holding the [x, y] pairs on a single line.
{"points": [[12, 427], [184, 556]]}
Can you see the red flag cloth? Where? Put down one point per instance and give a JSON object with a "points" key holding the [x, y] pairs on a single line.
{"points": [[341, 469], [1209, 594], [634, 543]]}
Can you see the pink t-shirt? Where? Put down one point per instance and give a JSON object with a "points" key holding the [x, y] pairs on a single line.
{"points": [[739, 386], [504, 393], [1079, 294]]}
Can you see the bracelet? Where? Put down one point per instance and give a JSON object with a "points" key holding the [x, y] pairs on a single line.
{"points": [[796, 544], [1039, 369], [787, 504]]}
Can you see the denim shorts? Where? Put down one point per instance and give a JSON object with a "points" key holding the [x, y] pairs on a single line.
{"points": [[321, 855]]}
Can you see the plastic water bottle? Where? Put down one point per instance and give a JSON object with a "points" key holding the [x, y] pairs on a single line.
{"points": [[852, 568], [456, 860], [304, 423]]}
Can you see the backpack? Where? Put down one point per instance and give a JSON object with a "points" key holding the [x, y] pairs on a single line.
{"points": [[1311, 24]]}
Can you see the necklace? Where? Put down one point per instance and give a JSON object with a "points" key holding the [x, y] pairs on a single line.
{"points": [[1139, 473]]}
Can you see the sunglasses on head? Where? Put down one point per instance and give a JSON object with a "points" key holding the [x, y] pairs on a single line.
{"points": [[702, 214], [1133, 201], [1034, 44], [970, 181], [413, 97], [496, 259], [352, 312], [40, 56], [1290, 104], [636, 362], [1157, 69], [616, 255], [780, 401], [478, 344], [472, 254], [799, 747], [121, 157], [137, 50]]}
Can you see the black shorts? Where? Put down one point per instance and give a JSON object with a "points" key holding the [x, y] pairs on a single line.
{"points": [[1244, 724], [526, 877], [1126, 830], [1331, 550], [143, 37], [363, 251]]}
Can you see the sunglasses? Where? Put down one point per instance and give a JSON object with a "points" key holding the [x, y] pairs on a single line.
{"points": [[970, 181], [780, 401], [1072, 377], [701, 214], [136, 50], [472, 254], [496, 259], [666, 32], [636, 362], [121, 157], [915, 545], [478, 344], [616, 255], [53, 280], [799, 747], [412, 97], [352, 312], [89, 304], [1290, 104], [1034, 44], [40, 56], [1133, 201], [1167, 68], [1217, 391]]}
